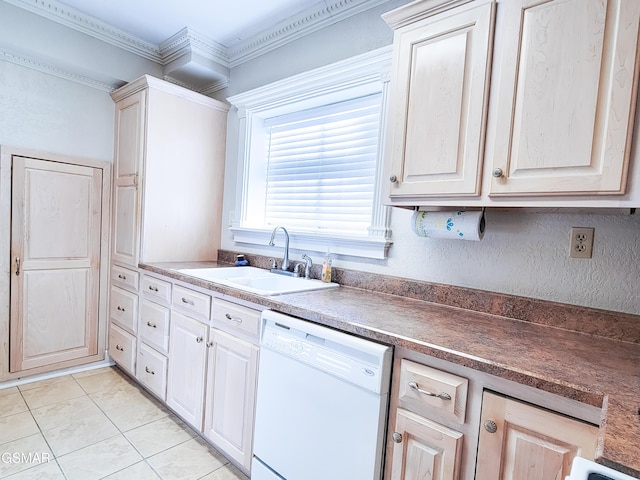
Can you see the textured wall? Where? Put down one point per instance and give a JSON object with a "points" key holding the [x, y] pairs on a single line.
{"points": [[521, 254], [43, 112]]}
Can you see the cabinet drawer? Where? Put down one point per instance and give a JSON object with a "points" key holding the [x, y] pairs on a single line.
{"points": [[125, 277], [429, 391], [234, 318], [157, 289], [124, 309], [198, 305], [122, 348], [154, 325], [151, 370]]}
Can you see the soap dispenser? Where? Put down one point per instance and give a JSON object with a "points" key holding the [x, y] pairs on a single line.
{"points": [[326, 268]]}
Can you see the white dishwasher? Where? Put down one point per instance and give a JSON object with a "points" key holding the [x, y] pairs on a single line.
{"points": [[321, 404]]}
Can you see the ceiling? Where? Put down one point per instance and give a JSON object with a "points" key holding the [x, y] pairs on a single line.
{"points": [[227, 22]]}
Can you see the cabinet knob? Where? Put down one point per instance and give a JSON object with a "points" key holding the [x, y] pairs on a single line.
{"points": [[199, 339], [397, 437], [393, 179], [498, 173], [490, 426], [209, 344]]}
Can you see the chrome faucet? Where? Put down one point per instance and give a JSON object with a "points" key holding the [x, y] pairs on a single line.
{"points": [[307, 265], [285, 260]]}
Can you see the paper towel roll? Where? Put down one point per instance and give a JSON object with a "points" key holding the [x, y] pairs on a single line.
{"points": [[457, 225]]}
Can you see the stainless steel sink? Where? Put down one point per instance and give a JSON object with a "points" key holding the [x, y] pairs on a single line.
{"points": [[256, 280]]}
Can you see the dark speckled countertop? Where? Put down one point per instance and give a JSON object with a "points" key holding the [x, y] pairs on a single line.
{"points": [[528, 341]]}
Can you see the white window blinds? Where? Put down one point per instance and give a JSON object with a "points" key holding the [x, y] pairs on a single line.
{"points": [[321, 167]]}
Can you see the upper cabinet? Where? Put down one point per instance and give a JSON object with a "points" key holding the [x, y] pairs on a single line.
{"points": [[169, 171], [440, 99], [514, 103]]}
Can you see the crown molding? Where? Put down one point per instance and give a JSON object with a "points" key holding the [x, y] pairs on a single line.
{"points": [[208, 91], [91, 26], [296, 27], [281, 34], [53, 70], [186, 41]]}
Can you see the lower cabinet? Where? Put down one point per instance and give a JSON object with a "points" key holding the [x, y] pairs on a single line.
{"points": [[122, 348], [211, 365], [187, 368], [452, 425], [231, 394], [424, 449], [521, 441], [151, 370]]}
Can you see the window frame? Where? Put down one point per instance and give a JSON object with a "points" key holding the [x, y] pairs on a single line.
{"points": [[351, 78]]}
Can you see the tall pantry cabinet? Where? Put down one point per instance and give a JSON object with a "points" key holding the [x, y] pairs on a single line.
{"points": [[167, 197]]}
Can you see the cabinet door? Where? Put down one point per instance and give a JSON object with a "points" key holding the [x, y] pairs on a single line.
{"points": [[565, 83], [520, 441], [55, 252], [439, 101], [231, 393], [129, 150], [424, 449], [187, 363]]}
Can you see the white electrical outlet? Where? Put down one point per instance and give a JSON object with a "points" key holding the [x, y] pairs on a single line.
{"points": [[581, 244]]}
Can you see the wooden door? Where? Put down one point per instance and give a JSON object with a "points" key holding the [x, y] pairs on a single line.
{"points": [[424, 450], [439, 101], [529, 443], [187, 364], [55, 252], [564, 83], [231, 393], [130, 121]]}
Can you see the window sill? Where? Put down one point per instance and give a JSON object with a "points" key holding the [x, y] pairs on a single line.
{"points": [[366, 247]]}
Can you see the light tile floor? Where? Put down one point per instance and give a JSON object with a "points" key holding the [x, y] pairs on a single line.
{"points": [[99, 424]]}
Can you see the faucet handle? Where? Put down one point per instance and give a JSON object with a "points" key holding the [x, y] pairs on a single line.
{"points": [[273, 262], [307, 265]]}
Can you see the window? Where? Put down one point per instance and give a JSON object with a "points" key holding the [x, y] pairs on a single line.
{"points": [[311, 159]]}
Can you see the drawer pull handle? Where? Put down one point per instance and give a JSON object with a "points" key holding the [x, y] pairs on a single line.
{"points": [[148, 370], [153, 288], [441, 396], [199, 339], [490, 426], [187, 301], [120, 308], [235, 319], [118, 347], [122, 277], [152, 325]]}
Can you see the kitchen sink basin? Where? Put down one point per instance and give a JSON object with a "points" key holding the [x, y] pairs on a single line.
{"points": [[223, 273], [257, 280]]}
